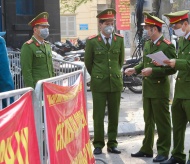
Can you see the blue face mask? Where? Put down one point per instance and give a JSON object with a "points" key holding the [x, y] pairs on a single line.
{"points": [[44, 33], [145, 33], [108, 30]]}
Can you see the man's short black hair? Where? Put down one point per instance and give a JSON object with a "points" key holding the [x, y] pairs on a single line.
{"points": [[102, 21], [184, 20], [158, 27]]}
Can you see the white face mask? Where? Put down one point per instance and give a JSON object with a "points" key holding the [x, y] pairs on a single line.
{"points": [[179, 32], [108, 30]]}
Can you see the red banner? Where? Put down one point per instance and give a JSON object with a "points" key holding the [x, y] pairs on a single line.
{"points": [[18, 140], [66, 124], [123, 14]]}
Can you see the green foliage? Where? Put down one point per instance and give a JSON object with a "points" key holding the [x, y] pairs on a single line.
{"points": [[70, 5], [177, 5]]}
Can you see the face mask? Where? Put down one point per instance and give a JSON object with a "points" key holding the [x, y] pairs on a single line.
{"points": [[44, 33], [179, 32], [145, 34], [108, 30]]}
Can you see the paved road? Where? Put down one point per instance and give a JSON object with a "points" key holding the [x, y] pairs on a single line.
{"points": [[131, 114], [130, 131]]}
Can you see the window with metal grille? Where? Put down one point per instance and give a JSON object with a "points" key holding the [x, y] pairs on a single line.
{"points": [[25, 7], [68, 26]]}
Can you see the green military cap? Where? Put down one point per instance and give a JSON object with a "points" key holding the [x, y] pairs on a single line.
{"points": [[107, 14], [41, 19], [177, 16], [152, 20]]}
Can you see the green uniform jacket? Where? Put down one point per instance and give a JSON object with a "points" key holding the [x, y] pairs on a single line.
{"points": [[157, 84], [182, 86], [36, 62], [103, 64]]}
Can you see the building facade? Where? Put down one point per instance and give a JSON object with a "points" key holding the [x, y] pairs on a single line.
{"points": [[83, 22], [15, 15]]}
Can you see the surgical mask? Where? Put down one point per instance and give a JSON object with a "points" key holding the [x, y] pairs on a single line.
{"points": [[108, 29], [44, 33], [145, 34], [179, 32]]}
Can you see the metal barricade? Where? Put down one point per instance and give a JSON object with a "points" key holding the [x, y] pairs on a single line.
{"points": [[15, 68], [60, 67], [59, 80], [16, 94]]}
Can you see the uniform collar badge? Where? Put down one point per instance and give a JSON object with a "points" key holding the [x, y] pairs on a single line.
{"points": [[37, 44]]}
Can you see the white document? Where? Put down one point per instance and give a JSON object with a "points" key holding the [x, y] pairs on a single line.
{"points": [[159, 57]]}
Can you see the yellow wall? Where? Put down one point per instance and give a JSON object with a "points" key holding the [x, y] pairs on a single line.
{"points": [[86, 14]]}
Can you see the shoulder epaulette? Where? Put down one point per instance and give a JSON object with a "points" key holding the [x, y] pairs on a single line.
{"points": [[46, 41], [119, 35], [91, 37], [29, 41], [167, 41]]}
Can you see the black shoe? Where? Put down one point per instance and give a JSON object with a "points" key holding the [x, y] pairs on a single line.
{"points": [[172, 160], [113, 150], [188, 162], [97, 150], [141, 154], [160, 158]]}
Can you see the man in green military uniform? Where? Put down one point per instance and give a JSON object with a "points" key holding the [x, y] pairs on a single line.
{"points": [[156, 88], [181, 103], [104, 57], [36, 54]]}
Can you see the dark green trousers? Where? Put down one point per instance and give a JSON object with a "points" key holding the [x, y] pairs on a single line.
{"points": [[99, 105], [156, 111], [180, 118]]}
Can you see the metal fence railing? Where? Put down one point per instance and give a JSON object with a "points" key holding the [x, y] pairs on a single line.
{"points": [[16, 94], [59, 80], [60, 67], [38, 104], [15, 68]]}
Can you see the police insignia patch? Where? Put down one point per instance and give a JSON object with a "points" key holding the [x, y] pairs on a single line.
{"points": [[119, 35], [158, 43], [91, 37], [29, 41], [166, 41], [37, 44], [109, 13]]}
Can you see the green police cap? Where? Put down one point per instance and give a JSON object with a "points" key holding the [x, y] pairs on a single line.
{"points": [[151, 20], [107, 14], [41, 19], [177, 16]]}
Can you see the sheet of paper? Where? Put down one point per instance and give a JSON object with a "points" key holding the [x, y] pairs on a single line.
{"points": [[159, 57]]}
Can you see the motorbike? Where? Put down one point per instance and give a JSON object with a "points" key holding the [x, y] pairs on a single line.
{"points": [[61, 48], [64, 48], [133, 82], [78, 53]]}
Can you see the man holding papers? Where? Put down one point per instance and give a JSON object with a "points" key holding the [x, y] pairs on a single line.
{"points": [[181, 103], [156, 88]]}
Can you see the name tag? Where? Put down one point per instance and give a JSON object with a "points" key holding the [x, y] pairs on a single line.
{"points": [[99, 48], [38, 52]]}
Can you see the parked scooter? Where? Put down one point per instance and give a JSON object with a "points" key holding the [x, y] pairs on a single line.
{"points": [[61, 48], [133, 82], [78, 45]]}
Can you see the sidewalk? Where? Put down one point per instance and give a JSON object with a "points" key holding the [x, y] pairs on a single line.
{"points": [[131, 125], [131, 120]]}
